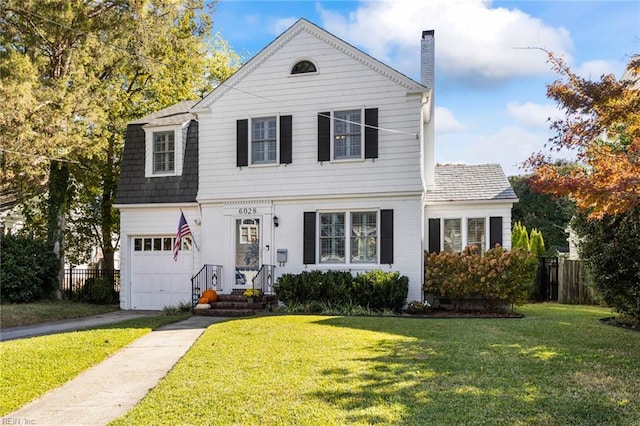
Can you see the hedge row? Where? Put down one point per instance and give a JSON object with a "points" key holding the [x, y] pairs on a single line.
{"points": [[375, 289], [495, 277]]}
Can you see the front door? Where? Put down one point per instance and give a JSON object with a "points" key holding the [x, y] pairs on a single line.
{"points": [[247, 251]]}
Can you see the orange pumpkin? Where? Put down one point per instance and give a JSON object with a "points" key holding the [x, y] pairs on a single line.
{"points": [[203, 300], [211, 295]]}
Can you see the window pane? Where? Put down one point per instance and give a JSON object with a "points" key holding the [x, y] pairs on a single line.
{"points": [[137, 244], [453, 235], [147, 244], [364, 234], [303, 67], [475, 233], [163, 152], [167, 244], [157, 244], [263, 140], [347, 138], [332, 238]]}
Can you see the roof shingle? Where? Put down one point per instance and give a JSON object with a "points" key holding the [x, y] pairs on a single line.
{"points": [[470, 182]]}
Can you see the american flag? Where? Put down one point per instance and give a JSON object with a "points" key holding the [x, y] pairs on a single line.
{"points": [[183, 229]]}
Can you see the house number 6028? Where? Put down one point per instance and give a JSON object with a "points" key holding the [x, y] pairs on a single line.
{"points": [[247, 210]]}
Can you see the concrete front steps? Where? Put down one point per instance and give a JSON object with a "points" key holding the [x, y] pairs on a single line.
{"points": [[233, 305]]}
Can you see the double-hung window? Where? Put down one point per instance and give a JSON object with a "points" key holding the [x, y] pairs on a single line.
{"points": [[364, 237], [347, 134], [476, 233], [332, 238], [349, 237], [263, 140], [163, 152], [452, 235]]}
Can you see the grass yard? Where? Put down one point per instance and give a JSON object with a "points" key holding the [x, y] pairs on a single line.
{"points": [[12, 315], [31, 367], [558, 365]]}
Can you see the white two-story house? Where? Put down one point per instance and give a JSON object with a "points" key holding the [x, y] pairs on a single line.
{"points": [[313, 155]]}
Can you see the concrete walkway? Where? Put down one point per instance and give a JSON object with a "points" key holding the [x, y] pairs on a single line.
{"points": [[53, 327], [113, 387]]}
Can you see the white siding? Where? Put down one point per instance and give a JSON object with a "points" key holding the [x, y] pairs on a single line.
{"points": [[220, 221], [472, 210], [151, 221], [341, 83]]}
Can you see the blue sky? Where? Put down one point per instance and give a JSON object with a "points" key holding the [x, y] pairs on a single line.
{"points": [[490, 87]]}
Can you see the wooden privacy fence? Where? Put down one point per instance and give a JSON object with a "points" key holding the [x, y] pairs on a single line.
{"points": [[572, 283]]}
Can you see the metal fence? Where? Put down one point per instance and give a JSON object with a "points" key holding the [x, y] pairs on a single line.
{"points": [[92, 285]]}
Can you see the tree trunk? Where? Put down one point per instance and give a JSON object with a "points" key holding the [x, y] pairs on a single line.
{"points": [[57, 206], [106, 207]]}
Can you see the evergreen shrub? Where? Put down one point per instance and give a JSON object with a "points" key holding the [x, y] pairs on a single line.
{"points": [[376, 290], [29, 269]]}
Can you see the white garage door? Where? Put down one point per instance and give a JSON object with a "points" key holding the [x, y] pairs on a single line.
{"points": [[156, 279]]}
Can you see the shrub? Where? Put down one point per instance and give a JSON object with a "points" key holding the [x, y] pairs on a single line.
{"points": [[497, 276], [610, 248], [100, 291], [29, 269], [375, 290]]}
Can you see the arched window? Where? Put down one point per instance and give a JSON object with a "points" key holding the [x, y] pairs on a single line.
{"points": [[303, 67]]}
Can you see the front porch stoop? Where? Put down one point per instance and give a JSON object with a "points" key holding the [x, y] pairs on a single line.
{"points": [[231, 305]]}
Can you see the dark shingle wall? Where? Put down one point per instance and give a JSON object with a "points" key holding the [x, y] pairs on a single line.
{"points": [[134, 188]]}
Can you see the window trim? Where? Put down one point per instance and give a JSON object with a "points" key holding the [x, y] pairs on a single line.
{"points": [[462, 234], [347, 236], [464, 223], [333, 140], [276, 160], [178, 145], [483, 245], [299, 60]]}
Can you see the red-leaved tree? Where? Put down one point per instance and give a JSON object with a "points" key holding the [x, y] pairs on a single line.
{"points": [[601, 126]]}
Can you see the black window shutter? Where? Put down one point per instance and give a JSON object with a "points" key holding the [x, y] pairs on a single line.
{"points": [[434, 235], [242, 143], [324, 136], [495, 231], [285, 139], [371, 133], [309, 243], [386, 236]]}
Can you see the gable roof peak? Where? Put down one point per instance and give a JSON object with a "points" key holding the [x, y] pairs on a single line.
{"points": [[303, 25]]}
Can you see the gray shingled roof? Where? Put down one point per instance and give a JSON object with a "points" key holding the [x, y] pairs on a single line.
{"points": [[470, 182], [175, 114], [134, 187]]}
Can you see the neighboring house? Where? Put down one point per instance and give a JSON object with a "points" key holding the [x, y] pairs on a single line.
{"points": [[313, 155], [11, 217]]}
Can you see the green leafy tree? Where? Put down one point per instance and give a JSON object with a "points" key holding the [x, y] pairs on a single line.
{"points": [[549, 215], [73, 74], [610, 248]]}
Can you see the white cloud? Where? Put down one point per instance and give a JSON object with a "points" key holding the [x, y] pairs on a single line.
{"points": [[533, 115], [593, 70], [475, 41], [446, 122], [509, 147]]}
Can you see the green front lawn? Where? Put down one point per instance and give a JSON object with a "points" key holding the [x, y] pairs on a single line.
{"points": [[12, 315], [558, 365], [31, 367]]}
